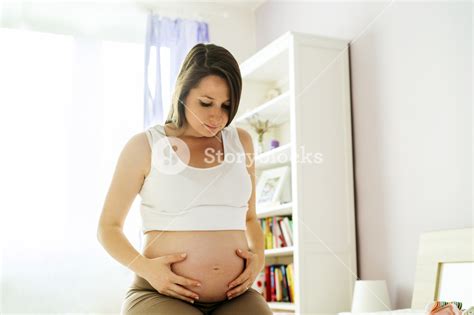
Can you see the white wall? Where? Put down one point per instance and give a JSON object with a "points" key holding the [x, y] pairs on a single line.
{"points": [[412, 110]]}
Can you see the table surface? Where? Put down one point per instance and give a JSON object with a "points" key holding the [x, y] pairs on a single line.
{"points": [[398, 312]]}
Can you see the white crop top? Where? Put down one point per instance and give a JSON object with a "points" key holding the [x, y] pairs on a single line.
{"points": [[214, 198]]}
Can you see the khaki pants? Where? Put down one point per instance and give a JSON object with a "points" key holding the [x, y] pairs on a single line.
{"points": [[142, 298]]}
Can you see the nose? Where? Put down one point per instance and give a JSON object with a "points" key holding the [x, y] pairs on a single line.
{"points": [[215, 116]]}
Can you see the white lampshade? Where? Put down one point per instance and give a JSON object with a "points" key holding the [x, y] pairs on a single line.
{"points": [[370, 296]]}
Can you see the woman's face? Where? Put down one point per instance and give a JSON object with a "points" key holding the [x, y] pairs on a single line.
{"points": [[207, 106]]}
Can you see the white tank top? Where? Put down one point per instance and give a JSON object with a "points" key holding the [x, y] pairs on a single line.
{"points": [[214, 198]]}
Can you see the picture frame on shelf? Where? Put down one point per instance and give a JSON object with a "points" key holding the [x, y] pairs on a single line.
{"points": [[270, 185]]}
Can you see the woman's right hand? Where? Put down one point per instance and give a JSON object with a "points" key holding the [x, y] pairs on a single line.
{"points": [[165, 281]]}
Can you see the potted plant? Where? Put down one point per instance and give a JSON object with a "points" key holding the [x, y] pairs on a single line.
{"points": [[260, 127]]}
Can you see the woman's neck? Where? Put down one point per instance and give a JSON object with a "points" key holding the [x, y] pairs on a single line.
{"points": [[186, 132]]}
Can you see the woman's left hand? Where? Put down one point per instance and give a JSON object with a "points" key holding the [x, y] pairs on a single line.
{"points": [[245, 280]]}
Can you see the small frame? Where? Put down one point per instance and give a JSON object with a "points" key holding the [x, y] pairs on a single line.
{"points": [[270, 183], [435, 249]]}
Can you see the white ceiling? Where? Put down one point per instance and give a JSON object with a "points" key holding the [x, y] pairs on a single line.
{"points": [[196, 9], [124, 18], [243, 4]]}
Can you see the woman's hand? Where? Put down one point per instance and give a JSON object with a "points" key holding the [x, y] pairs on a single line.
{"points": [[165, 281], [241, 284]]}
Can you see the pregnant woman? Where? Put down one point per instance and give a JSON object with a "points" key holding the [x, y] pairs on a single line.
{"points": [[203, 245]]}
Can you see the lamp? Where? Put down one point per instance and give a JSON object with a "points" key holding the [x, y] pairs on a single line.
{"points": [[370, 296]]}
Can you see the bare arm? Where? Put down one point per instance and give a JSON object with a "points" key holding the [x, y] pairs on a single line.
{"points": [[256, 256], [254, 231], [132, 166]]}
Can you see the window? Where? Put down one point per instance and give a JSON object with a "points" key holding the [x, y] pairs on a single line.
{"points": [[68, 106]]}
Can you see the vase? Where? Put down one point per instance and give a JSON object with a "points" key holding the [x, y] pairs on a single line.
{"points": [[260, 147]]}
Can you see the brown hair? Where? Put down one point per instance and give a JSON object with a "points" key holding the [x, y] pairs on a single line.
{"points": [[203, 60]]}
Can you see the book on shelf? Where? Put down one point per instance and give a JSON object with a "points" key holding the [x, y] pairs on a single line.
{"points": [[285, 287], [277, 231], [287, 230], [291, 283], [266, 287], [278, 284], [278, 238], [275, 283], [272, 284]]}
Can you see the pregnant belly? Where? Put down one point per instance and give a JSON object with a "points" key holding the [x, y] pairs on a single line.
{"points": [[211, 257]]}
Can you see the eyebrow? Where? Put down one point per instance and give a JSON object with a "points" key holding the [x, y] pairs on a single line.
{"points": [[213, 99]]}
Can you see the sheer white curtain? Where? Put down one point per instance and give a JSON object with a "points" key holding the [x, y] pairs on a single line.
{"points": [[67, 107], [167, 43]]}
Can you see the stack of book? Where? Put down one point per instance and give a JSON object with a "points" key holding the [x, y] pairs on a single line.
{"points": [[276, 283], [278, 231]]}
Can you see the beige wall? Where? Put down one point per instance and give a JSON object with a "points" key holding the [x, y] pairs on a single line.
{"points": [[412, 109]]}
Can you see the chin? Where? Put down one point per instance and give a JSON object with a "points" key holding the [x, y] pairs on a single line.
{"points": [[211, 131]]}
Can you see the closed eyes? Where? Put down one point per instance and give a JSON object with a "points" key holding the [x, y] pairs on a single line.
{"points": [[225, 106]]}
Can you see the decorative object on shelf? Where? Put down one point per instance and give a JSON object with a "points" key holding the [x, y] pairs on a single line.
{"points": [[442, 307], [274, 144], [270, 183], [370, 296], [260, 127], [272, 93], [259, 283]]}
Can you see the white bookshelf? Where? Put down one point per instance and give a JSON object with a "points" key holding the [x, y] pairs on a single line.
{"points": [[311, 112]]}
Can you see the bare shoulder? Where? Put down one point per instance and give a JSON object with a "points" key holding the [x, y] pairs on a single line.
{"points": [[246, 140], [127, 180], [138, 143], [136, 153]]}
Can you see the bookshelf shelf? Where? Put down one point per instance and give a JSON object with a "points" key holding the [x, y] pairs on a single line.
{"points": [[284, 251], [268, 63], [284, 209], [275, 110], [310, 114], [283, 306], [274, 157]]}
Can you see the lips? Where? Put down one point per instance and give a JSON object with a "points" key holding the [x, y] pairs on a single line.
{"points": [[211, 127]]}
